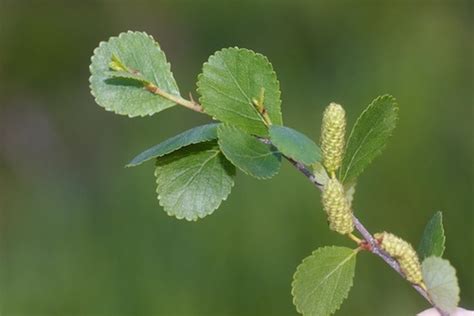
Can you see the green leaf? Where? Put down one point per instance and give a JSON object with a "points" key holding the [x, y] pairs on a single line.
{"points": [[350, 191], [193, 181], [229, 82], [369, 136], [195, 135], [294, 144], [432, 240], [137, 52], [253, 157], [323, 280], [442, 284], [320, 174]]}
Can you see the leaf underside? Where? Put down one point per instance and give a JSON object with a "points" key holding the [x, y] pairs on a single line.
{"points": [[294, 144], [125, 94], [193, 181], [247, 153], [441, 282], [194, 135], [323, 280], [369, 136], [229, 82], [433, 238]]}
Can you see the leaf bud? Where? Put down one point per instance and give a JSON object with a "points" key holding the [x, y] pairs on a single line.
{"points": [[116, 64]]}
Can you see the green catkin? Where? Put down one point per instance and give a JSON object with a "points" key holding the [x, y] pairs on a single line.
{"points": [[332, 136], [337, 207], [404, 253]]}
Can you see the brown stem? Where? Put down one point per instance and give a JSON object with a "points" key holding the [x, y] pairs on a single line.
{"points": [[368, 238], [192, 105], [369, 243]]}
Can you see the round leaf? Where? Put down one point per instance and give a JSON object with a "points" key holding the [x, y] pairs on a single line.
{"points": [[230, 80], [323, 280], [126, 95], [193, 181]]}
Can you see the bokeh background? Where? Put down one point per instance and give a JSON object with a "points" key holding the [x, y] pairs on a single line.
{"points": [[82, 235]]}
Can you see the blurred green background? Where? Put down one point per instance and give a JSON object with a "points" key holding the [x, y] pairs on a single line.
{"points": [[81, 235]]}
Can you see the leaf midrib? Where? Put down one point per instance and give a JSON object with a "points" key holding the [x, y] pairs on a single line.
{"points": [[356, 152], [194, 176], [249, 100], [327, 276]]}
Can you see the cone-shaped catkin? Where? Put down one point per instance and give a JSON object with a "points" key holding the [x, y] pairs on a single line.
{"points": [[404, 253], [337, 207], [332, 136]]}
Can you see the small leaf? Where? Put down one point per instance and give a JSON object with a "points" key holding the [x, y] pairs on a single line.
{"points": [[442, 284], [131, 51], [323, 280], [294, 144], [117, 65], [369, 136], [248, 153], [350, 191], [230, 80], [320, 174], [195, 135], [193, 181], [432, 240]]}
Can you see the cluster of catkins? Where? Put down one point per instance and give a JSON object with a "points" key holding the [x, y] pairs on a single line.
{"points": [[338, 207], [335, 203]]}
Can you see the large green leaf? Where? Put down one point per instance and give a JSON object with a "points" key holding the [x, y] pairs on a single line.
{"points": [[441, 282], [125, 93], [247, 153], [323, 280], [193, 181], [294, 144], [192, 136], [432, 240], [229, 82], [369, 136]]}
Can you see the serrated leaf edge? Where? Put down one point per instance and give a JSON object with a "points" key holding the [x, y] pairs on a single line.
{"points": [[199, 216], [458, 296], [219, 142], [120, 36], [298, 268], [380, 149], [272, 73], [442, 231]]}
